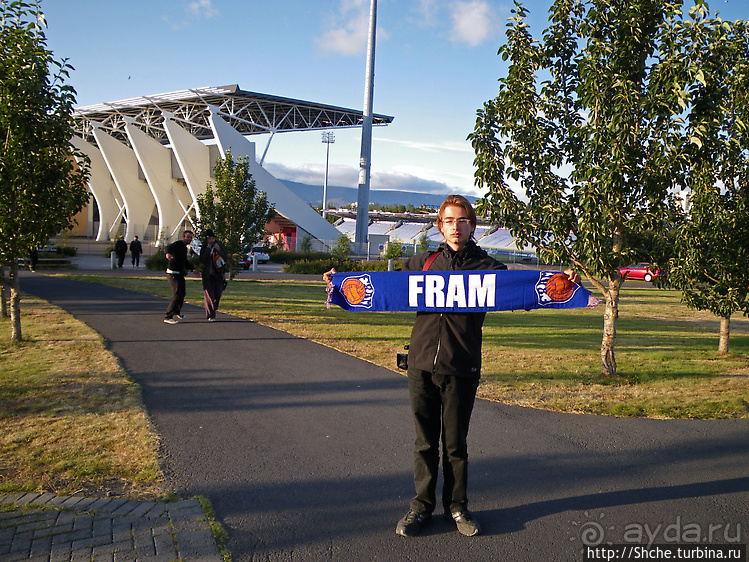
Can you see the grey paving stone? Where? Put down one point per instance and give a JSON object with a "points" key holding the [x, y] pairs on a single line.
{"points": [[81, 555], [143, 539], [41, 546], [164, 544], [112, 506], [199, 543], [11, 498], [142, 508], [14, 556], [27, 498], [83, 521], [102, 526], [100, 504], [72, 536], [85, 503], [44, 499], [126, 508], [157, 510], [121, 533], [71, 502], [91, 541], [59, 500]]}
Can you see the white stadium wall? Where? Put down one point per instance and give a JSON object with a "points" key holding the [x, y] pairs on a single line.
{"points": [[137, 182]]}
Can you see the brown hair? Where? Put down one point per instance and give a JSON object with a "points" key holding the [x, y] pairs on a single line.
{"points": [[457, 201]]}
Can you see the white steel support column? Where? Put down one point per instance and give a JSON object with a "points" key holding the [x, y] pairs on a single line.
{"points": [[192, 156], [171, 196], [103, 188], [135, 193], [365, 160], [283, 199]]}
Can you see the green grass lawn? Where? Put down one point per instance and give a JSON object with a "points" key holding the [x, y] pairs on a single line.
{"points": [[71, 420], [666, 354]]}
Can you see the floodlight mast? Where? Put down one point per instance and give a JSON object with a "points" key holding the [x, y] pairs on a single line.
{"points": [[362, 207], [328, 137]]}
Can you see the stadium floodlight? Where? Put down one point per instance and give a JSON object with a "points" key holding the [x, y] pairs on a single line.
{"points": [[328, 138]]}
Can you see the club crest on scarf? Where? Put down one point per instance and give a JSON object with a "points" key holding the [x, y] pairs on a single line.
{"points": [[554, 287], [358, 291]]}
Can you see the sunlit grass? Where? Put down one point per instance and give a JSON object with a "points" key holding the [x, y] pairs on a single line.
{"points": [[71, 421]]}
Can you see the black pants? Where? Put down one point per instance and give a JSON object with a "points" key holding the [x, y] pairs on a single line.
{"points": [[177, 283], [213, 288], [120, 259], [442, 408], [136, 259]]}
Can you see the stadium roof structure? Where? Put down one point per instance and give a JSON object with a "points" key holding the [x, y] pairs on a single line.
{"points": [[250, 113], [151, 157]]}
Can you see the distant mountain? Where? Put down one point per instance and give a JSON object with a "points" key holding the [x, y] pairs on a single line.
{"points": [[344, 196]]}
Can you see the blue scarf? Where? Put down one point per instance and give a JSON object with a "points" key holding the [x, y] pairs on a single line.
{"points": [[457, 291]]}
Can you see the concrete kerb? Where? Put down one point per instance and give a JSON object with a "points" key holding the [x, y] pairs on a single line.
{"points": [[37, 526]]}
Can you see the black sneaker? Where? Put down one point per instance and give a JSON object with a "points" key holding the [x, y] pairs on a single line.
{"points": [[412, 523], [466, 524], [179, 316]]}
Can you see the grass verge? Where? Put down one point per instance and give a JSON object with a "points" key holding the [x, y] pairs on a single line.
{"points": [[666, 353], [71, 421]]}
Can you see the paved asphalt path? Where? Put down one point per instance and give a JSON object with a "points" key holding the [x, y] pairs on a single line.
{"points": [[306, 452]]}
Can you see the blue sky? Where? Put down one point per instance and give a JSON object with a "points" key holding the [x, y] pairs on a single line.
{"points": [[435, 65]]}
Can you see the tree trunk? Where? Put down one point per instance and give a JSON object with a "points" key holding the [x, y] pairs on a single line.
{"points": [[4, 312], [725, 331], [610, 315], [15, 303]]}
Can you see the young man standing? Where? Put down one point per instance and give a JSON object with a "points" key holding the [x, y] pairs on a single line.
{"points": [[176, 270], [444, 366]]}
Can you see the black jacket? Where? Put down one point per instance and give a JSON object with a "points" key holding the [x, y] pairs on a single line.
{"points": [[179, 262], [136, 247], [120, 247], [449, 343]]}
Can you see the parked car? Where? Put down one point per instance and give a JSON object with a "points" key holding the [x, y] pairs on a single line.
{"points": [[259, 252], [641, 271]]}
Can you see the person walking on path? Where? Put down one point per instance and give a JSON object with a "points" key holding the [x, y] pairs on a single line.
{"points": [[177, 268], [136, 249], [120, 248], [213, 260]]}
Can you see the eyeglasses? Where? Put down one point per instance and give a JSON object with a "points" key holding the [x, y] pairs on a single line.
{"points": [[458, 221]]}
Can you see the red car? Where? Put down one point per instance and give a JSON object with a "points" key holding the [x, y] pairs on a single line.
{"points": [[640, 271]]}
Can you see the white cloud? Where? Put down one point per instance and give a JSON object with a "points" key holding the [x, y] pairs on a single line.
{"points": [[349, 39], [202, 9], [449, 147], [473, 22], [427, 10], [399, 179], [348, 33]]}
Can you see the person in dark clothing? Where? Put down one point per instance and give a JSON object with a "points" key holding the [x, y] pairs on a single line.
{"points": [[120, 249], [33, 258], [136, 249], [177, 268], [444, 367], [213, 276]]}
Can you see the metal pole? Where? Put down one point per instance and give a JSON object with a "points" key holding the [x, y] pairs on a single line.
{"points": [[362, 209], [327, 138]]}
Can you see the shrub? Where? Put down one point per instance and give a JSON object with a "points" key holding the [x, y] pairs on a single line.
{"points": [[67, 251], [157, 261], [320, 266], [287, 257]]}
